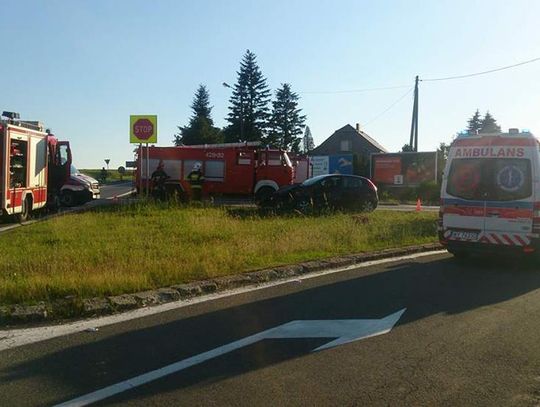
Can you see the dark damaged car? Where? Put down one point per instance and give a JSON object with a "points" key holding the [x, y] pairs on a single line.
{"points": [[332, 191]]}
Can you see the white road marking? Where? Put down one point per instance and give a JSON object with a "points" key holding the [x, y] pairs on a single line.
{"points": [[13, 338], [345, 330]]}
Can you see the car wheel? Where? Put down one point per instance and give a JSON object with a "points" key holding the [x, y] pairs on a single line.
{"points": [[263, 195], [369, 206], [67, 198]]}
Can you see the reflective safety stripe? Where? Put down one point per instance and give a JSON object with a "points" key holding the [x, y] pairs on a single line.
{"points": [[498, 238]]}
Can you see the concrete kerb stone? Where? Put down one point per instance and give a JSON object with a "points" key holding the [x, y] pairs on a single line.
{"points": [[123, 302], [102, 306], [28, 313], [188, 290], [96, 306]]}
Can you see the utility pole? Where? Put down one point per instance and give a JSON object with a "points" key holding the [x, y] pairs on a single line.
{"points": [[413, 142]]}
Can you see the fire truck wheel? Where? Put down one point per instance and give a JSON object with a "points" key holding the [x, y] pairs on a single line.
{"points": [[67, 198], [263, 195], [26, 210]]}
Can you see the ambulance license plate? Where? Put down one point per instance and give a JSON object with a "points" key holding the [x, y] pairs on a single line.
{"points": [[464, 235]]}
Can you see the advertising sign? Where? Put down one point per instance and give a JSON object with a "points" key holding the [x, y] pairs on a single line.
{"points": [[332, 164], [341, 164], [404, 169], [143, 129], [320, 165]]}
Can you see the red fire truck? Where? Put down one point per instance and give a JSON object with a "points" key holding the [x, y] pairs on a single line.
{"points": [[34, 166], [229, 169]]}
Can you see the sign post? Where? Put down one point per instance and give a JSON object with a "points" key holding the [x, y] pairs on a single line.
{"points": [[143, 129]]}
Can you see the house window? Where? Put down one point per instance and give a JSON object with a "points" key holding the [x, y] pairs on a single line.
{"points": [[345, 145]]}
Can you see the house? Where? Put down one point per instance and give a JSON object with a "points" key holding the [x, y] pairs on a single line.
{"points": [[350, 140]]}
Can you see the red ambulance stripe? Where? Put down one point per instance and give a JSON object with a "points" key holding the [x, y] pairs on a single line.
{"points": [[494, 141], [495, 238], [508, 240], [520, 240], [503, 213]]}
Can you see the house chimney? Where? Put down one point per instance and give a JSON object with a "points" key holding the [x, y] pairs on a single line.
{"points": [[358, 127]]}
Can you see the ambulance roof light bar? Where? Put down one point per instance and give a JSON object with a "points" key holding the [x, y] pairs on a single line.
{"points": [[11, 115]]}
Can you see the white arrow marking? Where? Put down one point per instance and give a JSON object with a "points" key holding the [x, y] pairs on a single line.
{"points": [[345, 330]]}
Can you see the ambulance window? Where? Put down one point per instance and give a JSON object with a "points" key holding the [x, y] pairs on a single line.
{"points": [[510, 179], [464, 178], [243, 158], [214, 170], [493, 179]]}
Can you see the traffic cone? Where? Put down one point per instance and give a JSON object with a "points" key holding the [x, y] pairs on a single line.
{"points": [[418, 205]]}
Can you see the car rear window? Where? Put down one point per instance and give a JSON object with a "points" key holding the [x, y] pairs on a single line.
{"points": [[352, 182], [492, 179]]}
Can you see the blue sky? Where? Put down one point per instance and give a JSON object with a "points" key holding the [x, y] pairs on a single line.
{"points": [[82, 67]]}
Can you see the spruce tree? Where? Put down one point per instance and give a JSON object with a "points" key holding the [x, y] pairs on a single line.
{"points": [[308, 141], [249, 113], [200, 129], [406, 148], [286, 122], [474, 124], [489, 124]]}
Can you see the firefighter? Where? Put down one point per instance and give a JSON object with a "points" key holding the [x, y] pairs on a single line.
{"points": [[196, 180], [158, 178], [103, 175]]}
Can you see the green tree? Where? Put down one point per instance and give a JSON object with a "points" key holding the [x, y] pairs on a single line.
{"points": [[406, 148], [442, 151], [489, 124], [474, 124], [286, 121], [249, 112], [200, 129], [308, 141]]}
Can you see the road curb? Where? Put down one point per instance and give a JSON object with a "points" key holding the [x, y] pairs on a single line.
{"points": [[72, 307]]}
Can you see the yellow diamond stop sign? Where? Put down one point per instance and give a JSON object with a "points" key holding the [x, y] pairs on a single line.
{"points": [[143, 129]]}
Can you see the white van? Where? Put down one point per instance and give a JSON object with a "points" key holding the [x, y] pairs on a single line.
{"points": [[490, 194]]}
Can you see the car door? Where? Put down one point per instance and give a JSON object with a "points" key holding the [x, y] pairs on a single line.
{"points": [[465, 200], [509, 203], [332, 191], [353, 192]]}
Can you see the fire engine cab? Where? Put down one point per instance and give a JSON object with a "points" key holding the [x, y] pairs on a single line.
{"points": [[34, 166], [229, 169]]}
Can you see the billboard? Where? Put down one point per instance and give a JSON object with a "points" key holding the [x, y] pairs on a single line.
{"points": [[332, 164], [404, 169]]}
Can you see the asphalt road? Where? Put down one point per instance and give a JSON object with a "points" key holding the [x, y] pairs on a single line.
{"points": [[468, 336], [116, 189]]}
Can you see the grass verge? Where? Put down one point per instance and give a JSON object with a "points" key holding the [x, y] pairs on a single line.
{"points": [[112, 175], [122, 249]]}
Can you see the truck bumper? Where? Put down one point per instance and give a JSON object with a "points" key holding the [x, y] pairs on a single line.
{"points": [[489, 249]]}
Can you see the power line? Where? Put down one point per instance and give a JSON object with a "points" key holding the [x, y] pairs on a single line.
{"points": [[354, 90], [481, 73], [389, 107]]}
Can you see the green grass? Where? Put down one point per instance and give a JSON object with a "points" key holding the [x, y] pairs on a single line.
{"points": [[112, 175], [122, 249]]}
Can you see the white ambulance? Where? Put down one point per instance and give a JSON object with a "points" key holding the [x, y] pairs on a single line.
{"points": [[490, 194]]}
